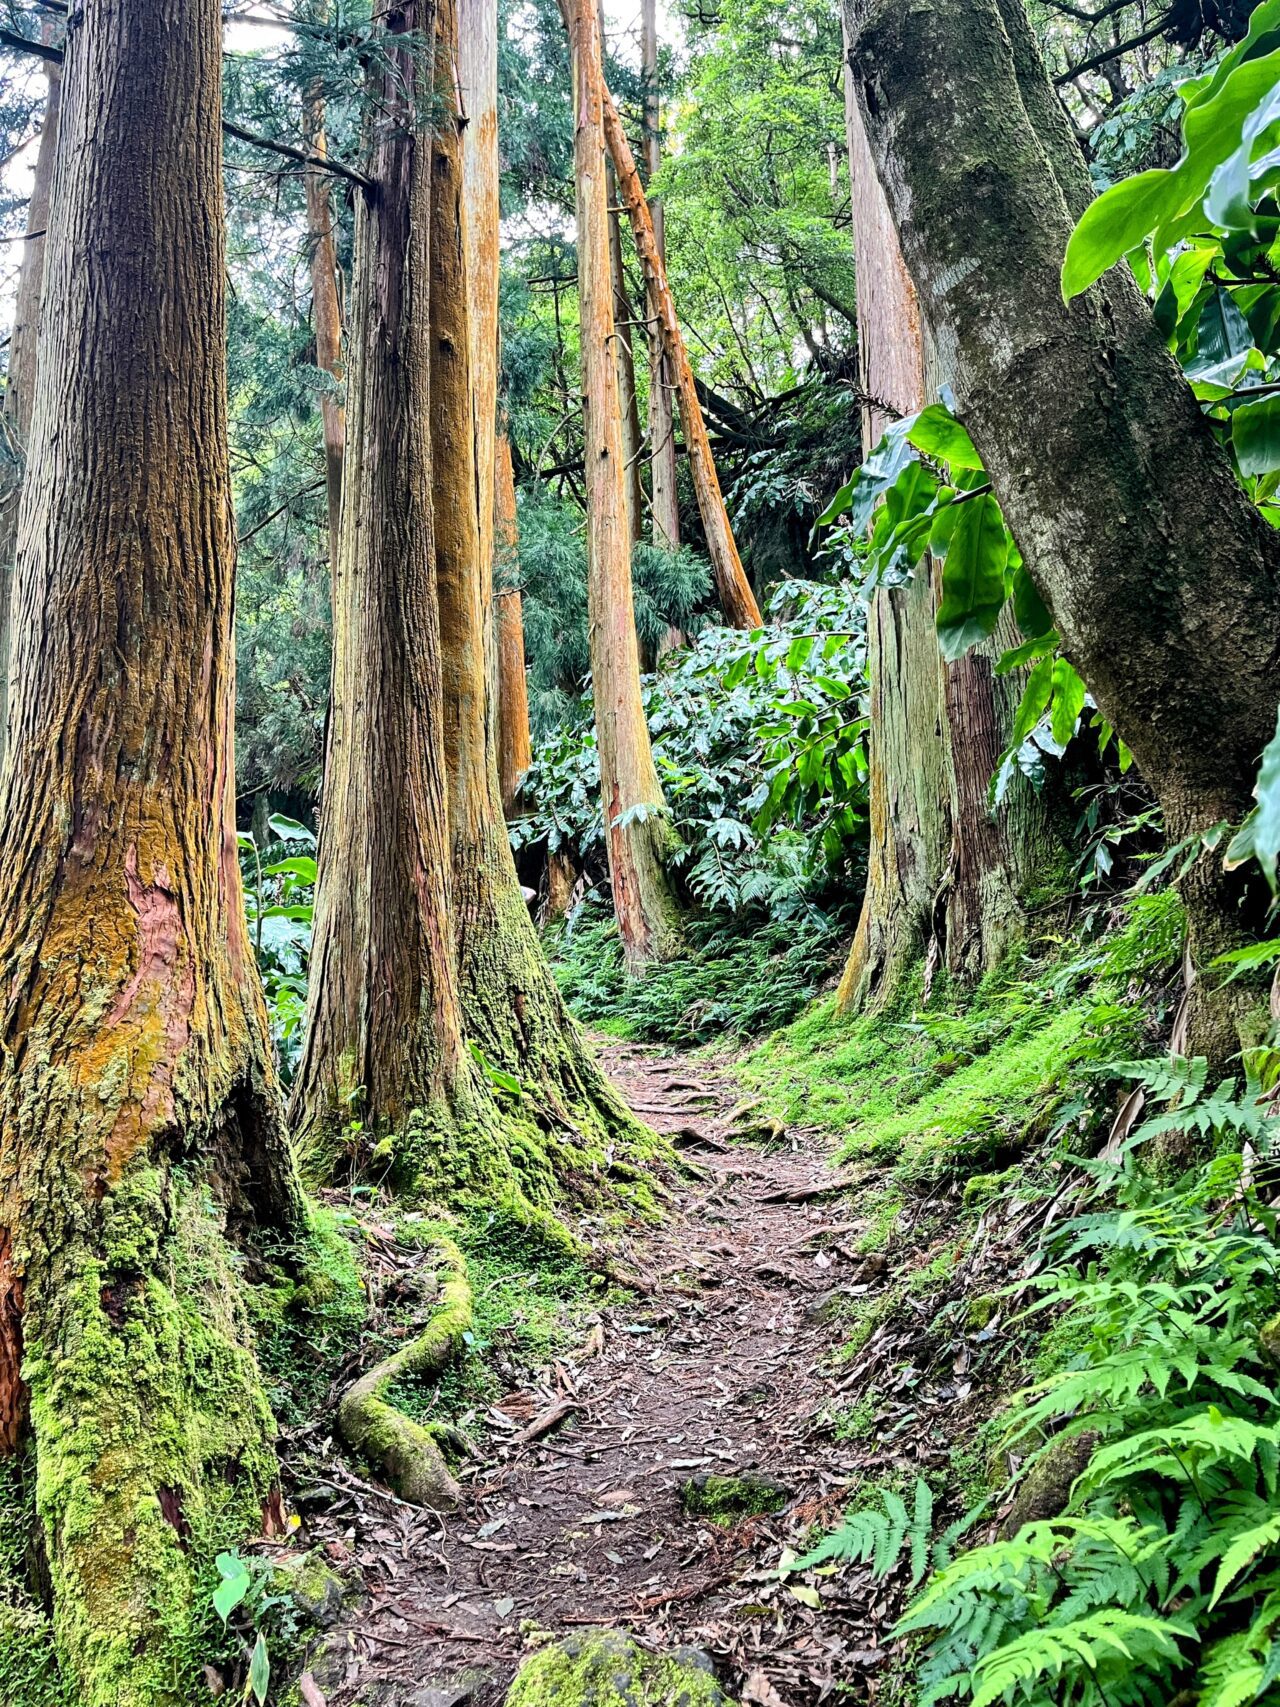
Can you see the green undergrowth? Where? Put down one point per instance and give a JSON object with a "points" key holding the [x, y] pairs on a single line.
{"points": [[739, 978]]}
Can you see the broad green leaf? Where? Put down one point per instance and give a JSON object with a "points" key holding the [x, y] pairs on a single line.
{"points": [[1034, 702], [938, 434], [234, 1586], [1259, 836], [799, 650], [1068, 701], [1122, 218], [260, 1670], [1029, 609], [1230, 194], [1255, 435], [289, 829], [972, 576], [1030, 652]]}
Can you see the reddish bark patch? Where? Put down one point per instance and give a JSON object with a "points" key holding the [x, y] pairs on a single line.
{"points": [[172, 1512], [13, 1391]]}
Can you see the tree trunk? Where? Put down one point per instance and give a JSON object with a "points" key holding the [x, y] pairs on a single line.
{"points": [[23, 347], [326, 305], [515, 749], [478, 75], [384, 1031], [944, 876], [512, 1006], [737, 600], [140, 1130], [662, 431], [638, 830], [1106, 470]]}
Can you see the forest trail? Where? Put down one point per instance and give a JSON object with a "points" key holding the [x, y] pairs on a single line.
{"points": [[720, 1363]]}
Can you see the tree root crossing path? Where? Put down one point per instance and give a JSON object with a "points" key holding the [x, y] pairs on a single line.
{"points": [[651, 1481]]}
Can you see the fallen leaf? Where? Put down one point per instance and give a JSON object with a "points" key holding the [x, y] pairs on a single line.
{"points": [[505, 1607], [310, 1691], [760, 1692]]}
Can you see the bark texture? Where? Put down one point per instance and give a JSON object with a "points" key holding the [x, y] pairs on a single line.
{"points": [[733, 590], [384, 1032], [1163, 580], [662, 431], [511, 1004], [140, 1132], [24, 343], [638, 831], [515, 748], [326, 307], [946, 878]]}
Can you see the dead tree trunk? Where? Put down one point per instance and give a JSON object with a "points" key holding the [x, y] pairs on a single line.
{"points": [[737, 600], [140, 1129], [638, 831], [24, 344], [1106, 470]]}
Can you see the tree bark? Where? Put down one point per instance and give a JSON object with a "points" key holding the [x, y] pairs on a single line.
{"points": [[511, 1004], [945, 875], [384, 1031], [478, 75], [326, 305], [24, 344], [515, 748], [662, 432], [737, 600], [140, 1130], [638, 832], [1163, 580]]}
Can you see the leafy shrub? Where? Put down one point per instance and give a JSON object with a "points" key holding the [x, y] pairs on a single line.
{"points": [[730, 984], [759, 741], [279, 895]]}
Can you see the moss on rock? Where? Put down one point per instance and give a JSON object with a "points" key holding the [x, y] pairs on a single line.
{"points": [[747, 1494], [601, 1668]]}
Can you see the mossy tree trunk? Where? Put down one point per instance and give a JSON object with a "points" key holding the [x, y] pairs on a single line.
{"points": [[946, 876], [24, 343], [511, 1005], [1163, 580], [737, 600], [638, 831], [140, 1130], [384, 1024]]}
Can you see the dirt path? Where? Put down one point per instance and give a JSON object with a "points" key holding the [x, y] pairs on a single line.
{"points": [[723, 1367]]}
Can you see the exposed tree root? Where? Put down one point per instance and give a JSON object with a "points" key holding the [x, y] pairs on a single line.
{"points": [[408, 1453]]}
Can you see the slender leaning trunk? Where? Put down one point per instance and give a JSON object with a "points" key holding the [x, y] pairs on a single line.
{"points": [[662, 432], [140, 1132], [24, 345], [512, 1007], [737, 600], [1162, 578], [638, 831]]}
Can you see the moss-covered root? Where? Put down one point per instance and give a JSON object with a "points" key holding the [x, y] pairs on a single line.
{"points": [[600, 1668], [404, 1451]]}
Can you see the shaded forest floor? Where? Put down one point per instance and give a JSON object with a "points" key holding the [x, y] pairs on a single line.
{"points": [[721, 1362]]}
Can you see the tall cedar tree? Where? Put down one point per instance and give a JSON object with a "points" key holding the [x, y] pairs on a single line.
{"points": [[945, 875], [512, 1007], [24, 344], [326, 301], [515, 744], [140, 1131], [639, 834], [1162, 578]]}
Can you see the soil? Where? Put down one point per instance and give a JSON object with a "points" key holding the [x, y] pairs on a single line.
{"points": [[722, 1361]]}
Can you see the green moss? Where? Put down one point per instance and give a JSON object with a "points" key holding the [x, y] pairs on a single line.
{"points": [[748, 1494], [152, 1437], [603, 1669], [308, 1314]]}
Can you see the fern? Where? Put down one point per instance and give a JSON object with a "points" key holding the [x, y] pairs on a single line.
{"points": [[880, 1536]]}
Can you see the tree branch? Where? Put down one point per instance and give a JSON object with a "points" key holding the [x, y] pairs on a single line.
{"points": [[1161, 24]]}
